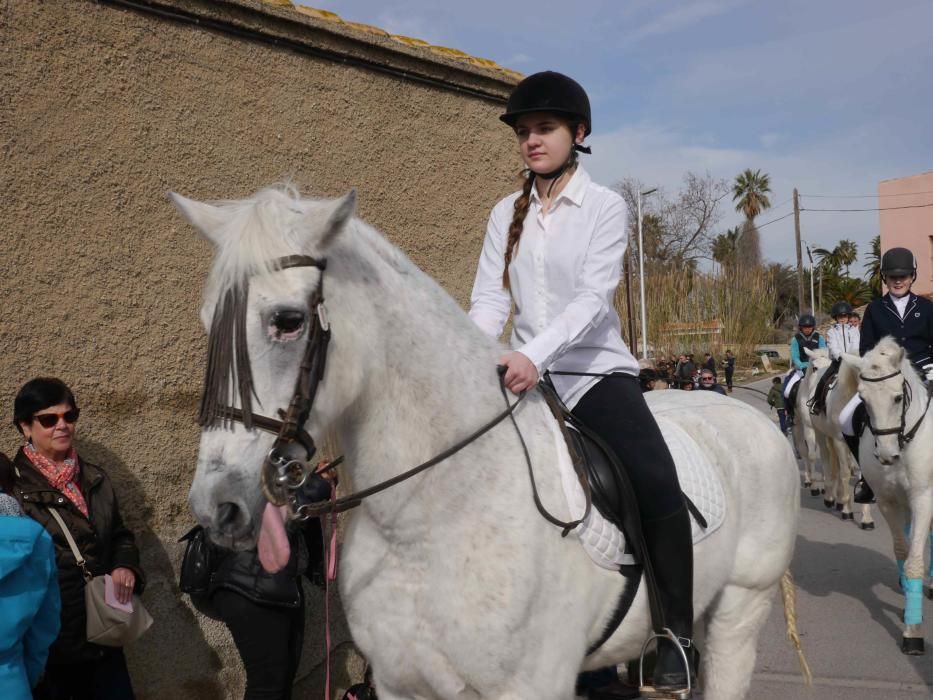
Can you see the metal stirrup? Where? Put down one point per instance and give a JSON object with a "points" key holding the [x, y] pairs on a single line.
{"points": [[648, 691]]}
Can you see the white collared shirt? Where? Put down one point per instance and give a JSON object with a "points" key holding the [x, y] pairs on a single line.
{"points": [[564, 273], [900, 303]]}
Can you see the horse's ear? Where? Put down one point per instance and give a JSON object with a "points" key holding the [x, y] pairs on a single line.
{"points": [[340, 211], [206, 218], [851, 360]]}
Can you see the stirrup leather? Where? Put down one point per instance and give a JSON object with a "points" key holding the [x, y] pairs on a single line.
{"points": [[649, 691]]}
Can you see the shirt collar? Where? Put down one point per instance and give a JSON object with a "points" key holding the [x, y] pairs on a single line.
{"points": [[573, 191]]}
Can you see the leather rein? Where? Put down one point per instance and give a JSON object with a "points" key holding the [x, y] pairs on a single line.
{"points": [[903, 438], [283, 477]]}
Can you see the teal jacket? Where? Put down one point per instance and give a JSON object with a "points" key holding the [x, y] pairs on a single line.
{"points": [[30, 605]]}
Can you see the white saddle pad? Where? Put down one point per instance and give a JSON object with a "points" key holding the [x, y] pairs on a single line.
{"points": [[603, 541]]}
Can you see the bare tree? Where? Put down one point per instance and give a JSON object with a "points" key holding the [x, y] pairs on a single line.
{"points": [[677, 229]]}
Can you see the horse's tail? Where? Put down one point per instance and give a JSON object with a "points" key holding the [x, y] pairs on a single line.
{"points": [[789, 594]]}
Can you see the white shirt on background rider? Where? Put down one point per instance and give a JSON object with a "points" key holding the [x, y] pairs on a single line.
{"points": [[564, 273], [840, 338]]}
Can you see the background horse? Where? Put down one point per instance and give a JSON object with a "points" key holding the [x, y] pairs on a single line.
{"points": [[895, 456], [828, 433], [453, 583], [806, 443]]}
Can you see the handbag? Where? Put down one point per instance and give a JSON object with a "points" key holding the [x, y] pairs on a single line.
{"points": [[195, 576], [197, 568], [106, 625]]}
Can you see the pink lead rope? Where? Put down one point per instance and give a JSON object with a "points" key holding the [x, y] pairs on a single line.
{"points": [[329, 576]]}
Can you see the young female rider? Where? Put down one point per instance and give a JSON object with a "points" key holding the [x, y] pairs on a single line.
{"points": [[555, 248]]}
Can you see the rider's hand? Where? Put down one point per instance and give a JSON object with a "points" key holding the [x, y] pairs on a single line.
{"points": [[521, 373]]}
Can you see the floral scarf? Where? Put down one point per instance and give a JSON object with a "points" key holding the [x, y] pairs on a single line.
{"points": [[63, 476]]}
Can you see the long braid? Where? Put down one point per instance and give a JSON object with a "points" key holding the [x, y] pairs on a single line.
{"points": [[518, 223]]}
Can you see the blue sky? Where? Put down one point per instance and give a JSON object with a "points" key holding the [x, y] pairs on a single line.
{"points": [[830, 96]]}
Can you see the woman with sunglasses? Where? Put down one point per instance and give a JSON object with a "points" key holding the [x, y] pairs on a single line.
{"points": [[50, 474]]}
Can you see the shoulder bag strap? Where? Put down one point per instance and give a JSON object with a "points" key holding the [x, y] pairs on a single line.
{"points": [[82, 562]]}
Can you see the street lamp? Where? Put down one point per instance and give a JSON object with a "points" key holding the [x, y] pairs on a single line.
{"points": [[812, 301], [641, 278]]}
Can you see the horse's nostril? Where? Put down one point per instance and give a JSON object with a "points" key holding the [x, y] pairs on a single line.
{"points": [[227, 514]]}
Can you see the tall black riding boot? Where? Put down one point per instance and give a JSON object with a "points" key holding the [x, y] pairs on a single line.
{"points": [[670, 548]]}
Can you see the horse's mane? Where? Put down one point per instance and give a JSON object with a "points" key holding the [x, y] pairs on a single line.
{"points": [[257, 230]]}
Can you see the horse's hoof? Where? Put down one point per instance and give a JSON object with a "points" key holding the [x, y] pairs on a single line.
{"points": [[839, 507], [912, 646], [848, 516], [807, 484], [822, 490], [867, 526], [829, 504], [814, 492]]}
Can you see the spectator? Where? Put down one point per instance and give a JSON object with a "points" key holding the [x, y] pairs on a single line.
{"points": [[728, 366], [29, 599], [264, 611], [710, 364], [51, 474], [685, 368], [776, 401], [646, 379], [708, 382]]}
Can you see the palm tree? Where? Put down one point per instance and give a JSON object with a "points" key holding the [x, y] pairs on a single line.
{"points": [[873, 267], [750, 190], [724, 247], [847, 253]]}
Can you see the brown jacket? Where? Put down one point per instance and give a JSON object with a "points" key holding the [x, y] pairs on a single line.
{"points": [[103, 539]]}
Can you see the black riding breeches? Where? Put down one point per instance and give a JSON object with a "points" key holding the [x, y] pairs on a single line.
{"points": [[615, 409]]}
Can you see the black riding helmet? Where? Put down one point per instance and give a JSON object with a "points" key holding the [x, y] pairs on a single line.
{"points": [[899, 262], [549, 92], [841, 308], [806, 320]]}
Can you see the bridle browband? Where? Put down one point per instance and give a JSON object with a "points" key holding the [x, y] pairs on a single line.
{"points": [[903, 438], [282, 477]]}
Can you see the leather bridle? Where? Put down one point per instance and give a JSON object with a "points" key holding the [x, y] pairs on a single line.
{"points": [[903, 438], [284, 477]]}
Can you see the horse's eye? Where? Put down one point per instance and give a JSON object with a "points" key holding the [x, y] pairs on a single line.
{"points": [[287, 323], [898, 399]]}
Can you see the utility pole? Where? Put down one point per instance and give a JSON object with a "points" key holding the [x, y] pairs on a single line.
{"points": [[799, 253], [641, 280], [632, 342]]}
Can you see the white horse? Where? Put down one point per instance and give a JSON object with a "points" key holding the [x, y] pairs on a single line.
{"points": [[454, 585], [895, 456], [806, 443], [834, 452], [838, 396]]}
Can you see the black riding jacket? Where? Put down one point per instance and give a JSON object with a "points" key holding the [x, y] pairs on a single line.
{"points": [[914, 332]]}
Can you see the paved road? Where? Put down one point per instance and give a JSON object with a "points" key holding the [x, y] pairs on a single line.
{"points": [[849, 612]]}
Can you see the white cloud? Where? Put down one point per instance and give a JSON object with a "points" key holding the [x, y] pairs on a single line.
{"points": [[679, 19]]}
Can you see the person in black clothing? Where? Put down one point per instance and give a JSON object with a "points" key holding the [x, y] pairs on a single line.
{"points": [[908, 319], [728, 366], [709, 363], [708, 382], [265, 611]]}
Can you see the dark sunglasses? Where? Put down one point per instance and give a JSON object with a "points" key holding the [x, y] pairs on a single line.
{"points": [[50, 420]]}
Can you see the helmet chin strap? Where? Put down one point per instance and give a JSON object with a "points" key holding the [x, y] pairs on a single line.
{"points": [[571, 161]]}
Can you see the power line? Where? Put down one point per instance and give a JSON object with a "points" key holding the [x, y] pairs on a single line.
{"points": [[906, 206], [864, 196], [774, 221]]}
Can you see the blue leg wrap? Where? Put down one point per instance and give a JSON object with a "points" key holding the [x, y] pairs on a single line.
{"points": [[913, 608]]}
